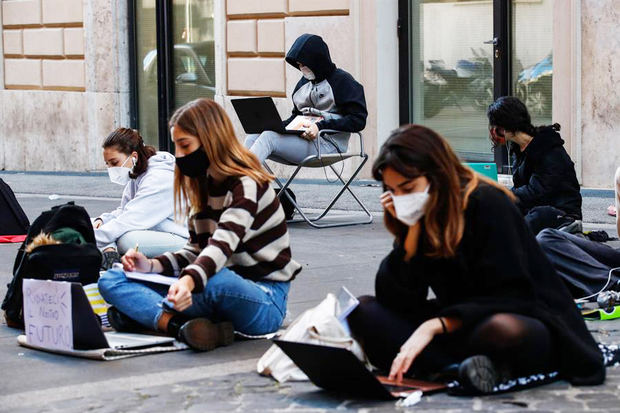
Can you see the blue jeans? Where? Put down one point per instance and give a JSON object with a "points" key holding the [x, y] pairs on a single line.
{"points": [[252, 307]]}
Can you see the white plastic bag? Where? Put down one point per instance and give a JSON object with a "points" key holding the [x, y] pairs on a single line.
{"points": [[318, 325]]}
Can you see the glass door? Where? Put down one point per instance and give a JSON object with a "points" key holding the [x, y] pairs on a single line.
{"points": [[194, 50], [457, 56], [452, 71], [532, 57], [173, 61], [145, 116]]}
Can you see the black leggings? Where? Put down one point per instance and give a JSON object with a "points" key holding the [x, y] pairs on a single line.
{"points": [[521, 343]]}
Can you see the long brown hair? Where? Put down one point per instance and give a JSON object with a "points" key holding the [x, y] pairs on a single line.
{"points": [[206, 120], [413, 151], [126, 140]]}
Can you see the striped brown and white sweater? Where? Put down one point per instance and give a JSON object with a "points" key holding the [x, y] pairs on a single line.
{"points": [[243, 228]]}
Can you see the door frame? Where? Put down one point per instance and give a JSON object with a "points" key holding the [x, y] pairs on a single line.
{"points": [[165, 74], [502, 67]]}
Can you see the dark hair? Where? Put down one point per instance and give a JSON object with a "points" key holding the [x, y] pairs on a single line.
{"points": [[126, 140], [413, 151], [510, 113]]}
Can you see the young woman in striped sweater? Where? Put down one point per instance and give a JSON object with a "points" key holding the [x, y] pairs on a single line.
{"points": [[236, 268]]}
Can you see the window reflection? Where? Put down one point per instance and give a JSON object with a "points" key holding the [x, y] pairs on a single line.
{"points": [[453, 79], [194, 50]]}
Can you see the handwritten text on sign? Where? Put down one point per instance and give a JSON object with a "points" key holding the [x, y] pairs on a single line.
{"points": [[47, 314]]}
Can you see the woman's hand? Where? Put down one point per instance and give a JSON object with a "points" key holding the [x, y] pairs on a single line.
{"points": [[388, 203], [312, 131], [97, 223], [412, 348], [135, 261], [180, 293]]}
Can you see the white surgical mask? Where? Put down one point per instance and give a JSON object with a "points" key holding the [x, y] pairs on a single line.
{"points": [[120, 174], [308, 74], [410, 208]]}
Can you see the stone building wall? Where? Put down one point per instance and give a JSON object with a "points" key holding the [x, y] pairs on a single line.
{"points": [[64, 82], [600, 91]]}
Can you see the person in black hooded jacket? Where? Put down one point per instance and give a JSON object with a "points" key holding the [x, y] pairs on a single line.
{"points": [[499, 309], [324, 90], [544, 176]]}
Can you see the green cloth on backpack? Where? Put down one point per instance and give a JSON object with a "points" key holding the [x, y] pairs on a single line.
{"points": [[68, 235]]}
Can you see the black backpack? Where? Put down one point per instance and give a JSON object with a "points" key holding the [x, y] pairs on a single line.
{"points": [[60, 262], [13, 221]]}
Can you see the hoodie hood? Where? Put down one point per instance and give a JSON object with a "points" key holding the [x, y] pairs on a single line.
{"points": [[311, 51], [545, 139], [162, 161]]}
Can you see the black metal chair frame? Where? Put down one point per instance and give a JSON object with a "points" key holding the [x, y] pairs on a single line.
{"points": [[322, 161]]}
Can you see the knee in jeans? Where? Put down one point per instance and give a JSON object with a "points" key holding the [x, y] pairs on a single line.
{"points": [[108, 280], [218, 283]]}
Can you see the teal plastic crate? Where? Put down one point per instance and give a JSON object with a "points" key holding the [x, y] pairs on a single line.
{"points": [[487, 169]]}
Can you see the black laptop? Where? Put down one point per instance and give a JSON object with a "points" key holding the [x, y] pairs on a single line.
{"points": [[260, 114], [88, 335], [337, 369]]}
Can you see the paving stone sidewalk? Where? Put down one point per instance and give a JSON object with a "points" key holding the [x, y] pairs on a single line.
{"points": [[224, 379]]}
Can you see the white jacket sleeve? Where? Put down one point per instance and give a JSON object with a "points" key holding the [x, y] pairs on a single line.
{"points": [[152, 204]]}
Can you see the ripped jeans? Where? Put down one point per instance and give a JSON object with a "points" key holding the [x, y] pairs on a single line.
{"points": [[253, 307]]}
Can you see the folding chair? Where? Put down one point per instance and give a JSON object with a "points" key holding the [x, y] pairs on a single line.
{"points": [[321, 161]]}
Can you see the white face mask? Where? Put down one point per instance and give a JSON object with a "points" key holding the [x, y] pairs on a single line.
{"points": [[120, 174], [410, 208], [308, 74]]}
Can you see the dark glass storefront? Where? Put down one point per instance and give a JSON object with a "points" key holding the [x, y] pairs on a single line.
{"points": [[457, 56], [173, 62]]}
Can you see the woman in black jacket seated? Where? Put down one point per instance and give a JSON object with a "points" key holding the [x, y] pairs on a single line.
{"points": [[500, 310], [544, 178]]}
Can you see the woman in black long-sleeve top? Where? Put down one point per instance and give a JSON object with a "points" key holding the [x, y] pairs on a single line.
{"points": [[500, 308]]}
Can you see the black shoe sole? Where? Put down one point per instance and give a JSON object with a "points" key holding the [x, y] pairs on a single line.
{"points": [[203, 335], [478, 374]]}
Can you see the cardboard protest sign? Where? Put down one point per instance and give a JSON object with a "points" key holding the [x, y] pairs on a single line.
{"points": [[47, 314]]}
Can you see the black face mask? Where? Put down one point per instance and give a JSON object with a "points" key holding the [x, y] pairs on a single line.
{"points": [[195, 164]]}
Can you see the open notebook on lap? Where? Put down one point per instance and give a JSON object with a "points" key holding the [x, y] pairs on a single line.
{"points": [[337, 369], [260, 114]]}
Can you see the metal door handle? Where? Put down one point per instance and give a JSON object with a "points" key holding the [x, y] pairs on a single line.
{"points": [[494, 42]]}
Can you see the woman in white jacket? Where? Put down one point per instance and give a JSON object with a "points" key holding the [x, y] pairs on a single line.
{"points": [[145, 216]]}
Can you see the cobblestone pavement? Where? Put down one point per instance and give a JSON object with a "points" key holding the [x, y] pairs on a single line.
{"points": [[225, 380]]}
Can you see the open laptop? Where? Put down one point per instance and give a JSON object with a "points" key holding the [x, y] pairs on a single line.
{"points": [[337, 369], [88, 335], [260, 114]]}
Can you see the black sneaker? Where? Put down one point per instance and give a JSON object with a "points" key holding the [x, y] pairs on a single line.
{"points": [[121, 322], [203, 335], [479, 375], [108, 259]]}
